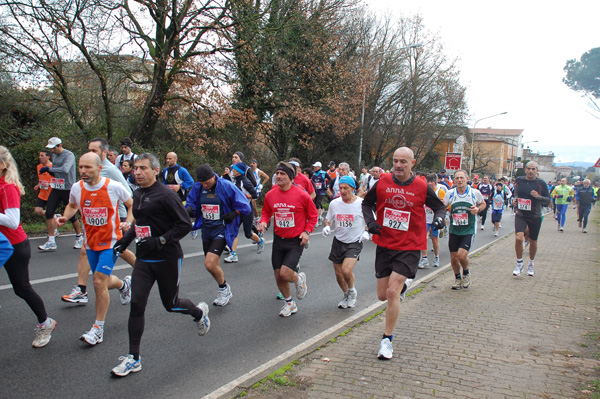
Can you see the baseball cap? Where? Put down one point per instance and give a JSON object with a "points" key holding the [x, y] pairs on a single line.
{"points": [[348, 180], [53, 142], [317, 164], [296, 164], [331, 163]]}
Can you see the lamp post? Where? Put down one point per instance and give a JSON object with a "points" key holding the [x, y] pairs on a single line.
{"points": [[362, 117], [471, 163]]}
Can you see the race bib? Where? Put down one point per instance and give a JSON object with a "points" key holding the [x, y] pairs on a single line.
{"points": [[498, 203], [344, 220], [318, 186], [485, 196], [429, 211], [395, 219], [460, 219], [284, 219], [211, 212], [57, 183], [95, 216], [44, 185], [142, 231], [524, 204]]}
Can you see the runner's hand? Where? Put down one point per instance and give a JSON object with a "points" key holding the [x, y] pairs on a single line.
{"points": [[438, 223], [365, 237], [120, 246], [326, 231], [230, 216], [191, 211], [374, 228], [44, 169], [149, 243]]}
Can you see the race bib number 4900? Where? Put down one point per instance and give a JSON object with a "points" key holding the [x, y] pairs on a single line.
{"points": [[95, 216], [524, 204], [395, 219], [210, 212], [344, 220], [460, 219], [284, 219]]}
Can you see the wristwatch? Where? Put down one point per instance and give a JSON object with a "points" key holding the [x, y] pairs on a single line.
{"points": [[162, 240]]}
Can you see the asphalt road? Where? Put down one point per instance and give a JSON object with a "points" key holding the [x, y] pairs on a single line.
{"points": [[245, 334]]}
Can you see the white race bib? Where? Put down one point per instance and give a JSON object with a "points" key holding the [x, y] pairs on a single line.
{"points": [[95, 216], [57, 183], [318, 186], [344, 220], [284, 219], [460, 219], [211, 212], [524, 204], [395, 219]]}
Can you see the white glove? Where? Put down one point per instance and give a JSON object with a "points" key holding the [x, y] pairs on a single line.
{"points": [[326, 231], [365, 236]]}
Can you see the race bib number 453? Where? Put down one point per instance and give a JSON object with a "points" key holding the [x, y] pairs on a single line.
{"points": [[395, 219], [95, 216], [284, 219]]}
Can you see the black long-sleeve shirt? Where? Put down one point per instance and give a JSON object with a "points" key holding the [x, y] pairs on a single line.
{"points": [[158, 210], [522, 190]]}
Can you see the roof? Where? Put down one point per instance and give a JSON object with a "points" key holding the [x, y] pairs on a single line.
{"points": [[497, 132]]}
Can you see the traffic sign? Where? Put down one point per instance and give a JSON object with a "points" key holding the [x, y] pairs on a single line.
{"points": [[453, 160], [597, 165]]}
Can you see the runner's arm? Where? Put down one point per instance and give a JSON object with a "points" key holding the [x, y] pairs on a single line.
{"points": [[369, 205], [436, 204]]}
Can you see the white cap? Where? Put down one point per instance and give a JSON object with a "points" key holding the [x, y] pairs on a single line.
{"points": [[317, 164], [53, 142]]}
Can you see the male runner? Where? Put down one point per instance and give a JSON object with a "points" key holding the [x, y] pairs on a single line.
{"points": [[587, 197], [530, 195], [97, 198], [176, 177], [295, 218], [126, 153], [464, 203], [160, 222], [498, 202], [346, 213], [319, 181], [399, 232], [43, 183], [486, 189], [434, 233], [562, 194]]}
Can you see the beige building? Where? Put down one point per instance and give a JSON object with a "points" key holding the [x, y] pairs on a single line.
{"points": [[495, 151]]}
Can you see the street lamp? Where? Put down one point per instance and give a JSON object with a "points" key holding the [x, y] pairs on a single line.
{"points": [[362, 118], [471, 163]]}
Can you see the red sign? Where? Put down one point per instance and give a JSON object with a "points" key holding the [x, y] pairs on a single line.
{"points": [[453, 160], [597, 165]]}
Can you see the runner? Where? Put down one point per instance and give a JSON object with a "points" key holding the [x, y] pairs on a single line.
{"points": [[176, 177], [346, 213], [398, 200], [160, 222], [464, 203], [562, 194], [63, 170], [126, 153], [261, 178], [43, 183], [216, 203], [434, 233], [319, 181], [97, 200], [112, 156], [498, 201], [486, 190], [301, 180], [333, 190], [586, 198], [17, 265], [530, 195], [295, 218]]}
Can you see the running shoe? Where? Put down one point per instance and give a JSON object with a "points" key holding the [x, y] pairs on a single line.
{"points": [[385, 349], [423, 263], [301, 287], [227, 250], [128, 365], [288, 309], [561, 229], [57, 233], [352, 295], [441, 233], [496, 234], [344, 302], [76, 296], [43, 334], [518, 269], [466, 281], [78, 242], [233, 258], [579, 224], [584, 230], [279, 296], [407, 283], [457, 285], [482, 228], [436, 261], [125, 292], [223, 296], [204, 321], [48, 246], [525, 243], [260, 246], [194, 234], [94, 336], [530, 271]]}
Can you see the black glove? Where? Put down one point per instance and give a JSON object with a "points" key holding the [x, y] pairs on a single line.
{"points": [[191, 211], [121, 245], [149, 244], [230, 216], [374, 228], [44, 169], [438, 223]]}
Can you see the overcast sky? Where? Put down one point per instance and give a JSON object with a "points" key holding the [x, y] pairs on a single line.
{"points": [[511, 56]]}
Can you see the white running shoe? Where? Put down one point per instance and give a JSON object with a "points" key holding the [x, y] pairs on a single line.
{"points": [[94, 336], [76, 296], [260, 246], [408, 283], [436, 261], [125, 292], [482, 228], [48, 246], [78, 242], [423, 263], [233, 258], [204, 321], [288, 309], [496, 234], [194, 234], [43, 334], [352, 295], [385, 349], [530, 271], [301, 287], [344, 302], [223, 296], [56, 233], [127, 365], [518, 269]]}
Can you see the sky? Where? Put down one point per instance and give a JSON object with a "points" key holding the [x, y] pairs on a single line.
{"points": [[511, 55]]}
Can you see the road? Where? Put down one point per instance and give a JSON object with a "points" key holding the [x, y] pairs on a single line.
{"points": [[245, 334]]}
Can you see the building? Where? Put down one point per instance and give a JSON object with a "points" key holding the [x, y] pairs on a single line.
{"points": [[495, 151]]}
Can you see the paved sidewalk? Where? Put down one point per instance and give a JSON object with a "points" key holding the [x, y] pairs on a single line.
{"points": [[505, 337]]}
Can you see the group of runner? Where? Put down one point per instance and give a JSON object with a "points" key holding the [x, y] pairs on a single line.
{"points": [[397, 210]]}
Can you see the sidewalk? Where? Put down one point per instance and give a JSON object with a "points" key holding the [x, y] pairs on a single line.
{"points": [[505, 337]]}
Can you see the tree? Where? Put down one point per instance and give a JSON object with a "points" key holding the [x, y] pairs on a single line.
{"points": [[584, 76]]}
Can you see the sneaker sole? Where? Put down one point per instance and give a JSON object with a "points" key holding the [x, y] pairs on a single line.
{"points": [[82, 338], [293, 312], [134, 370], [382, 357], [83, 301], [228, 299]]}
